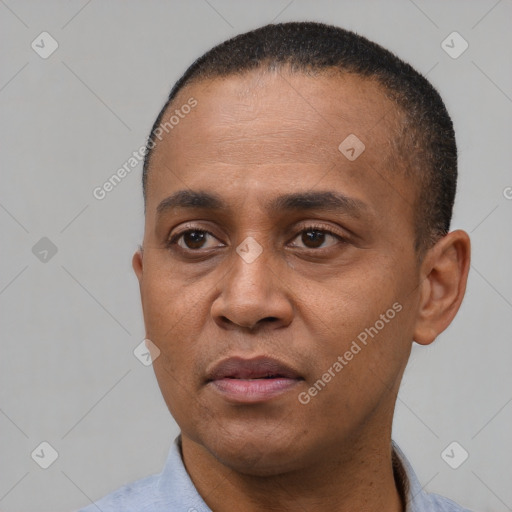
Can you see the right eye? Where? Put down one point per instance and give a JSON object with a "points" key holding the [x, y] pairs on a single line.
{"points": [[193, 240]]}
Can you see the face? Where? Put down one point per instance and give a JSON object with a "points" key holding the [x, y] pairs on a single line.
{"points": [[278, 277]]}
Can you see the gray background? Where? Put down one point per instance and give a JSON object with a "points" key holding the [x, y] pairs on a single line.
{"points": [[70, 323]]}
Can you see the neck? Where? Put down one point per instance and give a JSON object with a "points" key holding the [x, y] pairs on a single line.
{"points": [[355, 477]]}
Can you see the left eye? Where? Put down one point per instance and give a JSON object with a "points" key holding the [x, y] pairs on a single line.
{"points": [[317, 238]]}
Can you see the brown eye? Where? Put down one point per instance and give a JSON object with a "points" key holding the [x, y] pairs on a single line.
{"points": [[194, 239], [313, 238]]}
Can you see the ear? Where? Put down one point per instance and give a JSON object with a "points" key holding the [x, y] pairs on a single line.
{"points": [[444, 274], [137, 263]]}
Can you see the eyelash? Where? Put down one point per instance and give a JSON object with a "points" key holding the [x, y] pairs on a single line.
{"points": [[173, 240]]}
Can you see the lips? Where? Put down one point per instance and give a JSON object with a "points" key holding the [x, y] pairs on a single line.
{"points": [[252, 380], [256, 368]]}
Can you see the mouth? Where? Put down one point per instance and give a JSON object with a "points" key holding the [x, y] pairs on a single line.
{"points": [[252, 380]]}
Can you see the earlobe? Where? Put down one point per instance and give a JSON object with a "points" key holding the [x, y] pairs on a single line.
{"points": [[444, 273], [137, 263]]}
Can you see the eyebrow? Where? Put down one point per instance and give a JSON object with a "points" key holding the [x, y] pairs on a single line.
{"points": [[319, 200], [190, 199], [313, 200]]}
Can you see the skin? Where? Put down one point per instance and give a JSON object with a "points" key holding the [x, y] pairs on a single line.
{"points": [[250, 139]]}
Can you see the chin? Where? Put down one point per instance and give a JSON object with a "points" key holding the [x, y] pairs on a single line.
{"points": [[256, 452], [255, 461]]}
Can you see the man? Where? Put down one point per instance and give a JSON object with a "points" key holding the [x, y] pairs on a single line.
{"points": [[298, 188]]}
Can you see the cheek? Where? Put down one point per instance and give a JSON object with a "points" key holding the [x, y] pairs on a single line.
{"points": [[170, 307], [177, 391], [174, 318], [362, 333]]}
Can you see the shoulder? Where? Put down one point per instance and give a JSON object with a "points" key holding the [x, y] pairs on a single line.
{"points": [[442, 504], [169, 490], [136, 496], [415, 497]]}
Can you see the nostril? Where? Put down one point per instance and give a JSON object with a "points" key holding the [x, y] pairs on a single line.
{"points": [[227, 322], [263, 321]]}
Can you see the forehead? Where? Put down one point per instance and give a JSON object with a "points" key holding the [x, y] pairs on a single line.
{"points": [[289, 113], [264, 130]]}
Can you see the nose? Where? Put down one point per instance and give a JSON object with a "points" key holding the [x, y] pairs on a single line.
{"points": [[253, 295]]}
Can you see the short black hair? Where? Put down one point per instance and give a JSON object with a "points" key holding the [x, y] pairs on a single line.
{"points": [[426, 140]]}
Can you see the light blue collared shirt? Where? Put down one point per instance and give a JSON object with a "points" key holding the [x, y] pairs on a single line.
{"points": [[173, 491]]}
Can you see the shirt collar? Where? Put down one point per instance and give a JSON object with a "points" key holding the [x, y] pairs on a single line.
{"points": [[412, 492]]}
